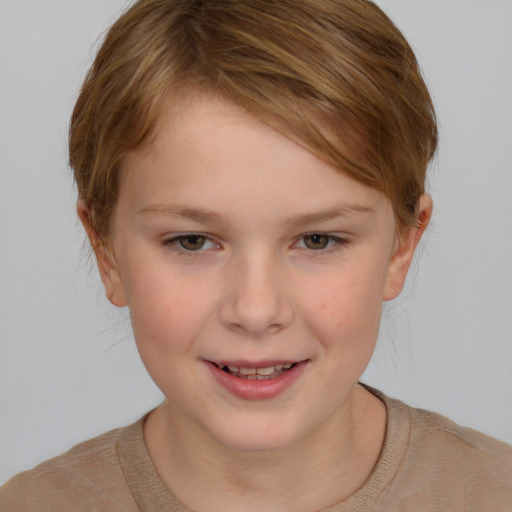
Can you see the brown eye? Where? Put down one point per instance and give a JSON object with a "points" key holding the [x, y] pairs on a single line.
{"points": [[316, 241], [191, 242]]}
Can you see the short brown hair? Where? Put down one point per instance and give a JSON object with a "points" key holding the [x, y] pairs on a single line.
{"points": [[336, 75]]}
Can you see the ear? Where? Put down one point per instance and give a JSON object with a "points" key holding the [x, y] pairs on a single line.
{"points": [[405, 246], [109, 272]]}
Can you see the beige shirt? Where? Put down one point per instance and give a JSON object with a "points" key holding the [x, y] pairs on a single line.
{"points": [[427, 463]]}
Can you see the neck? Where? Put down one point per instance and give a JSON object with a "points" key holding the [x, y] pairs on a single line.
{"points": [[327, 466]]}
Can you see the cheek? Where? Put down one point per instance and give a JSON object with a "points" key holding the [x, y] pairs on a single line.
{"points": [[346, 306], [166, 308], [167, 318]]}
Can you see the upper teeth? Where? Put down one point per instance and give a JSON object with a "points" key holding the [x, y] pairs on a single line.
{"points": [[269, 370]]}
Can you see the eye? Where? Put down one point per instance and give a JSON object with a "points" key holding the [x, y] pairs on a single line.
{"points": [[317, 241], [191, 242]]}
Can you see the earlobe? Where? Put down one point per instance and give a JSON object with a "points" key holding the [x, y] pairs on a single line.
{"points": [[109, 272], [404, 249]]}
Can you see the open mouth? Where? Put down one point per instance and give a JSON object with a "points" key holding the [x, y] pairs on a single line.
{"points": [[267, 373]]}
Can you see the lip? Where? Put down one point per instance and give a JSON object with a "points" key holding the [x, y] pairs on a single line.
{"points": [[256, 389]]}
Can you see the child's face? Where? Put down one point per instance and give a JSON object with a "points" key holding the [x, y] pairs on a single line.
{"points": [[235, 246]]}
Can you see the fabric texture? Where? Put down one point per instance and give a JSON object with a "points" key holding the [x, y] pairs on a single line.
{"points": [[427, 463]]}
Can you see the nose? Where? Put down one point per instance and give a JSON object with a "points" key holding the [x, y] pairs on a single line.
{"points": [[256, 301]]}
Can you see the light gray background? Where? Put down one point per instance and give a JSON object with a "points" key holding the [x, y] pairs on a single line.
{"points": [[68, 367]]}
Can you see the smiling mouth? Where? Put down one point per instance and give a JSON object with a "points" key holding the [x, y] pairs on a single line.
{"points": [[267, 373]]}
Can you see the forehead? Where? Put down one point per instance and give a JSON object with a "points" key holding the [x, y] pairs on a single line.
{"points": [[209, 153]]}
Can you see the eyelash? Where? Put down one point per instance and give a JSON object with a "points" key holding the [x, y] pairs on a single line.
{"points": [[173, 243], [335, 243]]}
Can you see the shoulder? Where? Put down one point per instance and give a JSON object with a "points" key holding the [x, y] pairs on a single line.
{"points": [[456, 465], [88, 473], [454, 445]]}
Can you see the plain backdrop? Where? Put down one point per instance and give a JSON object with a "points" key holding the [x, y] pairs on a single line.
{"points": [[68, 366]]}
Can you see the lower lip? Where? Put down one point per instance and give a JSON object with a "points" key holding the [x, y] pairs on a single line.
{"points": [[257, 389]]}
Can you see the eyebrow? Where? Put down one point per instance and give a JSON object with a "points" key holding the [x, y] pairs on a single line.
{"points": [[333, 213], [180, 211], [203, 215]]}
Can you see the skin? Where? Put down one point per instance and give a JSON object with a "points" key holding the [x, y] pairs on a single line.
{"points": [[258, 289]]}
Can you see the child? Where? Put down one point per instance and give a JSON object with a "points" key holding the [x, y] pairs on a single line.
{"points": [[251, 177]]}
